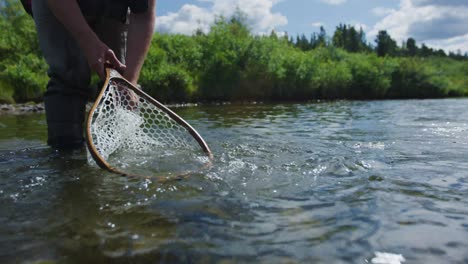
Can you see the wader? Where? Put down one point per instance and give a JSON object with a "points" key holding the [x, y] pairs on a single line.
{"points": [[69, 86]]}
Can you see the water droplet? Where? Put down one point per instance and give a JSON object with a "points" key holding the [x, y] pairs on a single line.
{"points": [[14, 197]]}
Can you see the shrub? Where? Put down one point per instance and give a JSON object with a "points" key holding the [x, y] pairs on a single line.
{"points": [[169, 83]]}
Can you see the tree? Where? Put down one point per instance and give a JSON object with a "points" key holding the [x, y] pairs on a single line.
{"points": [[313, 41], [273, 34], [426, 51], [322, 37], [440, 53], [411, 47], [348, 38], [385, 44], [339, 37]]}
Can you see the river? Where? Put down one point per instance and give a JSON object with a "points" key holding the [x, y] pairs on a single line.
{"points": [[321, 182]]}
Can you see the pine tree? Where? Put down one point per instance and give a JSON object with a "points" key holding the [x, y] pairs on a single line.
{"points": [[385, 44]]}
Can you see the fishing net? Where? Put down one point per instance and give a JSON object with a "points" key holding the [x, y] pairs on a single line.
{"points": [[130, 133]]}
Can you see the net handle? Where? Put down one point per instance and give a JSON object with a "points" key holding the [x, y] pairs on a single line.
{"points": [[111, 74]]}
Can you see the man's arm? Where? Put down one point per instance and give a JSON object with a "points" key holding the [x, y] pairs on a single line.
{"points": [[97, 53], [140, 33]]}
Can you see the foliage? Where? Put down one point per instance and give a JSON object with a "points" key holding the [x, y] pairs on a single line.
{"points": [[170, 83], [166, 74], [26, 76], [426, 78], [348, 38], [225, 55], [411, 47], [229, 63], [371, 76], [386, 46], [22, 70]]}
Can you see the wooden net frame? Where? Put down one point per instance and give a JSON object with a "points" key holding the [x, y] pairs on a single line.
{"points": [[126, 119]]}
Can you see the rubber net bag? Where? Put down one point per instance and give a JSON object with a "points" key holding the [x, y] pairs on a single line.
{"points": [[130, 133]]}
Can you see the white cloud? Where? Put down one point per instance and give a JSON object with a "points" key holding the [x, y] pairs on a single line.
{"points": [[317, 24], [191, 17], [334, 2], [437, 23], [455, 44], [359, 26], [186, 21], [382, 11], [440, 2]]}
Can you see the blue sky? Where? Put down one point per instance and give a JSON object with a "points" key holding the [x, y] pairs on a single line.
{"points": [[437, 23]]}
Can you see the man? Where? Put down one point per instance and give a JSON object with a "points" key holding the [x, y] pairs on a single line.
{"points": [[78, 37]]}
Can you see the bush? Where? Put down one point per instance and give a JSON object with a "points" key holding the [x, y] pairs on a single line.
{"points": [[27, 77], [6, 93], [169, 83], [229, 63], [21, 67], [333, 80], [371, 76], [225, 56], [413, 78]]}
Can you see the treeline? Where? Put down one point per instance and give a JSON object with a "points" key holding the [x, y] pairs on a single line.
{"points": [[350, 39], [230, 63]]}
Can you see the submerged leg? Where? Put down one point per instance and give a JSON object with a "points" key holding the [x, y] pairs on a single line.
{"points": [[68, 87]]}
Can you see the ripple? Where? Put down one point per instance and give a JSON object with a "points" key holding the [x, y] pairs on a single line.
{"points": [[329, 182]]}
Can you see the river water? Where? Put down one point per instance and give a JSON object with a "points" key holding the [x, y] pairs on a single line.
{"points": [[323, 182]]}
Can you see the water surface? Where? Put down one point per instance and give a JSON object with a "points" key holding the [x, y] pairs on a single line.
{"points": [[330, 182]]}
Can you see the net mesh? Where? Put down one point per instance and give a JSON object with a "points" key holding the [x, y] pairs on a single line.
{"points": [[134, 135]]}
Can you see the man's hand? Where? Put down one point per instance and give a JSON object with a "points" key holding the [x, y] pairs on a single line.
{"points": [[98, 55]]}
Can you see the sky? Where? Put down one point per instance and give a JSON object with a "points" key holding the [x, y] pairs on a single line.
{"points": [[440, 24]]}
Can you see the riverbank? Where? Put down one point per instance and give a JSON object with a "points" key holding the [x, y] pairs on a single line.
{"points": [[38, 108], [18, 109]]}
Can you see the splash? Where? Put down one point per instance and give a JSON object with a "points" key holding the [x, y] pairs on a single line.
{"points": [[387, 258]]}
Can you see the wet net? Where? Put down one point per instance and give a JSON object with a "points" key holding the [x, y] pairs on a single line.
{"points": [[130, 133]]}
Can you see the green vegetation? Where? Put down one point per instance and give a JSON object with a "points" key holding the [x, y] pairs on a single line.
{"points": [[22, 70], [230, 64]]}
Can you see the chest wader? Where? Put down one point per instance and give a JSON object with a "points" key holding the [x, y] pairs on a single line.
{"points": [[68, 88]]}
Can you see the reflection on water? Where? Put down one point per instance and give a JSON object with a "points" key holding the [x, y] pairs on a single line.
{"points": [[333, 182]]}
